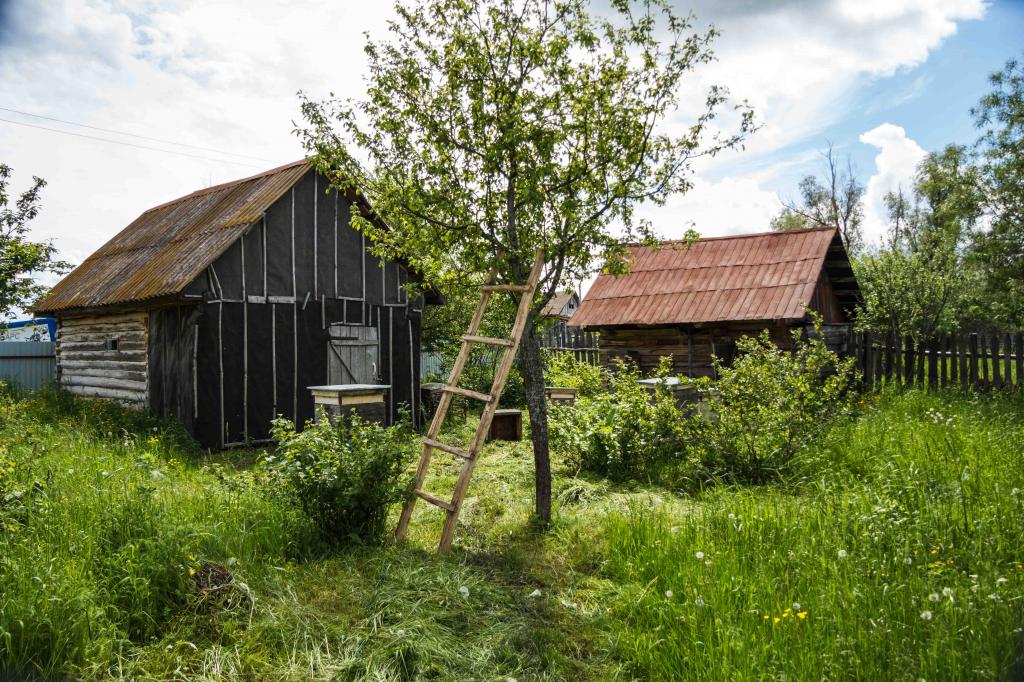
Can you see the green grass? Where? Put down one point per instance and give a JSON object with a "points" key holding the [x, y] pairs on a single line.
{"points": [[917, 494]]}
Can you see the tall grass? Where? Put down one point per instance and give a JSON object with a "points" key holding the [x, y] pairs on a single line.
{"points": [[911, 508], [901, 559], [104, 529]]}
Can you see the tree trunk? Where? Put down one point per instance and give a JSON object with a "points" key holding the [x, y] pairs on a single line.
{"points": [[532, 367]]}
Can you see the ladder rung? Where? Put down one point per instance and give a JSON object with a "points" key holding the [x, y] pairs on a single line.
{"points": [[450, 449], [437, 502], [521, 288], [466, 393], [488, 340]]}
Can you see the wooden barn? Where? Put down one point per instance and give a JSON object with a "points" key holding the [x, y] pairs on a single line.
{"points": [[693, 303], [222, 307]]}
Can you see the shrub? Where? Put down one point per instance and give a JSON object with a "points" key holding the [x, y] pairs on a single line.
{"points": [[769, 406], [565, 370], [342, 474], [623, 433]]}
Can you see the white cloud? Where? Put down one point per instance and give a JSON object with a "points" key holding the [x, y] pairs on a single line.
{"points": [[895, 165], [728, 206], [224, 75]]}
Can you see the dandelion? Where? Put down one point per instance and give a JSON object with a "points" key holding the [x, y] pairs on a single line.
{"points": [[908, 561], [947, 592], [796, 606], [707, 562], [1015, 492], [1000, 581], [732, 517], [934, 597], [926, 615], [776, 619], [699, 602], [801, 614], [700, 556], [669, 594], [843, 554], [464, 591]]}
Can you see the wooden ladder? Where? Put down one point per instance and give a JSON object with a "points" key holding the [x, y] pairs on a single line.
{"points": [[490, 400]]}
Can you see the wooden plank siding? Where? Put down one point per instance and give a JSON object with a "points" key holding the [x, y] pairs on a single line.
{"points": [[691, 348], [86, 366]]}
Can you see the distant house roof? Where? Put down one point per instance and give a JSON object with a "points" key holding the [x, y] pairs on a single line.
{"points": [[556, 306], [166, 247], [764, 276]]}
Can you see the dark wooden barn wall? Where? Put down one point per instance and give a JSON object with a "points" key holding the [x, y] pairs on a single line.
{"points": [[267, 305]]}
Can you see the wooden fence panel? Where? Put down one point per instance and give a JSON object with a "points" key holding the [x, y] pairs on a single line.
{"points": [[980, 361]]}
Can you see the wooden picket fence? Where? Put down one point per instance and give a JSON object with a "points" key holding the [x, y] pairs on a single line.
{"points": [[565, 339], [980, 361]]}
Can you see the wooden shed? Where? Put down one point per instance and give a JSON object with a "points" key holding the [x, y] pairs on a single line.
{"points": [[220, 308], [692, 303]]}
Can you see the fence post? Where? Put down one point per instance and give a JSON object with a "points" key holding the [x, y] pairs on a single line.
{"points": [[1019, 346], [997, 379], [898, 359], [933, 366], [965, 379], [953, 376], [973, 350], [1007, 368]]}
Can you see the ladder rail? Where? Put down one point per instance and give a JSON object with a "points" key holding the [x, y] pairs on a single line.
{"points": [[469, 455], [462, 483], [441, 413]]}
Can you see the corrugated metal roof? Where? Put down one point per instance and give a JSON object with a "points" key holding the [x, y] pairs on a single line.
{"points": [[765, 276], [168, 246]]}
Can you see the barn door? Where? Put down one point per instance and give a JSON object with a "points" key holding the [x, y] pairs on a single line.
{"points": [[353, 355]]}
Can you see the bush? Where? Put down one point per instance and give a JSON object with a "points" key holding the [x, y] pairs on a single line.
{"points": [[563, 369], [764, 410], [623, 433], [769, 406], [342, 474]]}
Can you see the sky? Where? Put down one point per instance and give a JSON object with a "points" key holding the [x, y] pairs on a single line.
{"points": [[184, 94]]}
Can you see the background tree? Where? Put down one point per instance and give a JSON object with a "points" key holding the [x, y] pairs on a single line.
{"points": [[21, 258], [832, 201], [999, 250], [918, 282], [495, 128]]}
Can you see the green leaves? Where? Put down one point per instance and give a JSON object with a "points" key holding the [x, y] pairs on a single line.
{"points": [[21, 258], [489, 130]]}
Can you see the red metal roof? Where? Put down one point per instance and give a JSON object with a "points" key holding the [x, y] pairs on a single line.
{"points": [[169, 245], [764, 276]]}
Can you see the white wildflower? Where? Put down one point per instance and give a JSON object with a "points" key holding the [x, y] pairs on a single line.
{"points": [[732, 517], [668, 594], [535, 594], [464, 591], [926, 615], [1015, 492], [934, 597], [947, 592], [700, 556], [699, 602], [796, 606], [1000, 581], [843, 554]]}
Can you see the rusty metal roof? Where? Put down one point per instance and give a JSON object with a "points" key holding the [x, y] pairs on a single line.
{"points": [[169, 245], [764, 276]]}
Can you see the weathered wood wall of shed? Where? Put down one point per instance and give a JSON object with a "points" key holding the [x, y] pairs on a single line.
{"points": [[86, 366], [825, 302], [262, 336], [691, 348]]}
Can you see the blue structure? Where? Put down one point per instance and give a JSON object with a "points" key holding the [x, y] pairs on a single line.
{"points": [[39, 329]]}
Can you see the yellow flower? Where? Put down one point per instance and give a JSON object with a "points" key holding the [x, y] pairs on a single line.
{"points": [[767, 617], [801, 615], [776, 620]]}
